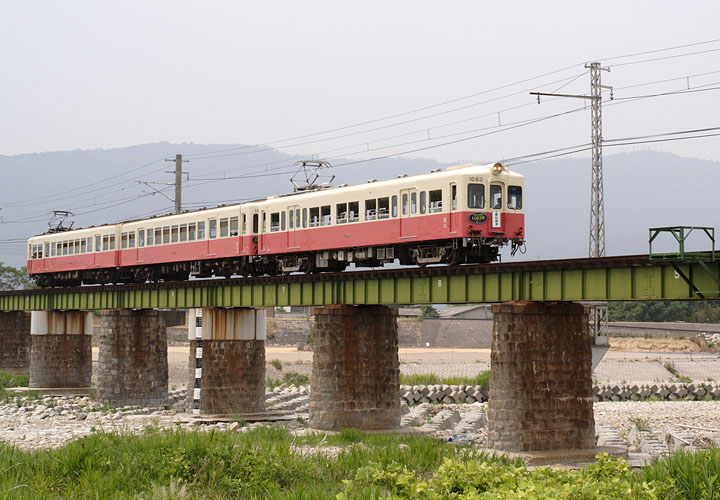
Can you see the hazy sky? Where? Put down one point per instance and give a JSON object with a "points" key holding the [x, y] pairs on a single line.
{"points": [[100, 74]]}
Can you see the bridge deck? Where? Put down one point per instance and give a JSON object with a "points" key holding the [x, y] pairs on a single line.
{"points": [[633, 277]]}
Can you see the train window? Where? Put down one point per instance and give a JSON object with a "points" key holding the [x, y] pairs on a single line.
{"points": [[255, 223], [423, 202], [46, 252], [297, 217], [275, 222], [394, 206], [404, 204], [183, 232], [435, 201], [212, 229], [354, 211], [233, 226], [495, 196], [106, 244], [283, 218], [314, 217], [97, 244], [515, 197], [244, 225], [291, 219], [224, 228], [192, 231], [413, 202], [453, 197], [89, 244], [476, 196], [131, 239], [158, 236], [304, 217], [341, 213], [71, 248], [263, 226], [123, 240], [141, 238], [174, 234], [112, 242], [370, 209], [83, 246], [383, 208], [53, 249], [201, 230], [149, 237], [166, 235], [326, 215]]}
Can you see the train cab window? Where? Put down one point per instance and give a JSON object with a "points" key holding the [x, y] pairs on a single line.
{"points": [[394, 206], [123, 240], [453, 197], [275, 222], [192, 231], [166, 235], [404, 204], [224, 228], [353, 211], [514, 197], [97, 244], [326, 216], [201, 230], [112, 242], [131, 240], [291, 219], [314, 217], [83, 246], [297, 217], [233, 226], [283, 219], [106, 244], [370, 209], [423, 202], [141, 238], [495, 196], [158, 236], [174, 234], [413, 202], [212, 229], [304, 217], [255, 223], [341, 213], [46, 251], [476, 195], [183, 232], [435, 201]]}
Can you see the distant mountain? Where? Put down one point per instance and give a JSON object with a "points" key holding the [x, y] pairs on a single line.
{"points": [[642, 189]]}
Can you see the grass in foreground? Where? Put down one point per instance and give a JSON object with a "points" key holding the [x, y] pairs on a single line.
{"points": [[271, 463], [10, 380]]}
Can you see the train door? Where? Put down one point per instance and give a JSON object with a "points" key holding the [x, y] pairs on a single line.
{"points": [[139, 246], [96, 250], [261, 233], [496, 205], [293, 215], [213, 244], [453, 208], [45, 250], [408, 209], [256, 233]]}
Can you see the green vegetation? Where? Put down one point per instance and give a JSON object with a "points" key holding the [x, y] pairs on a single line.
{"points": [[271, 463], [10, 380], [277, 364], [429, 311], [289, 378], [705, 311], [670, 366], [482, 379]]}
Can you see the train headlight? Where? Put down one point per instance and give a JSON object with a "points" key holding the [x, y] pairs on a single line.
{"points": [[497, 168]]}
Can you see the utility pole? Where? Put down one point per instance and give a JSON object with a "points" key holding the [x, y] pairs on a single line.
{"points": [[596, 244], [178, 181]]}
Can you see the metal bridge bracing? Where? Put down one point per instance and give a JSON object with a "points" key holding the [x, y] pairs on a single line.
{"points": [[608, 278]]}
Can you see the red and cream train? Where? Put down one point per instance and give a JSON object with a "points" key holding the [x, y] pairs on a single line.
{"points": [[459, 215]]}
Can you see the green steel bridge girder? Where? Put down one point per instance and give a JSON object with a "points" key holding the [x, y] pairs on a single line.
{"points": [[651, 281]]}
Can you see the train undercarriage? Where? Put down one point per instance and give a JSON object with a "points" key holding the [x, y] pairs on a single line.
{"points": [[449, 252]]}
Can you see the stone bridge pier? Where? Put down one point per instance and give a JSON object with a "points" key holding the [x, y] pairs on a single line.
{"points": [[355, 373], [15, 342], [540, 378], [132, 360], [227, 360], [61, 352]]}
